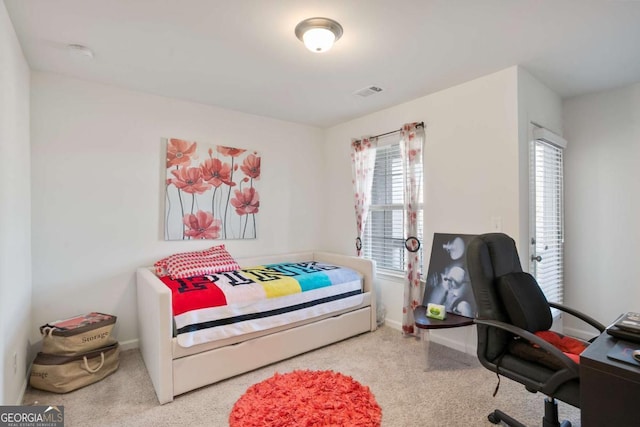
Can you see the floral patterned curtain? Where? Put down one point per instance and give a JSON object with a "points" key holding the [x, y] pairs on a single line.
{"points": [[363, 157], [411, 148]]}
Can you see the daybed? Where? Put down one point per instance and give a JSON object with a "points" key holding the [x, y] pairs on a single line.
{"points": [[175, 370]]}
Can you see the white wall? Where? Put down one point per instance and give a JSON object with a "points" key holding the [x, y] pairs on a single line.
{"points": [[602, 179], [471, 171], [15, 214], [97, 170]]}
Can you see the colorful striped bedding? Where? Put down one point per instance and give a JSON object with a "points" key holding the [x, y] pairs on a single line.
{"points": [[257, 298]]}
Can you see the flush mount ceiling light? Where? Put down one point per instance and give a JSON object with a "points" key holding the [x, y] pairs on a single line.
{"points": [[318, 34], [80, 50]]}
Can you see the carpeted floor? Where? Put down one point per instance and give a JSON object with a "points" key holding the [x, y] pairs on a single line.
{"points": [[455, 391]]}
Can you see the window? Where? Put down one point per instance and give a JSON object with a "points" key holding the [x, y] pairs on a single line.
{"points": [[547, 213], [383, 239]]}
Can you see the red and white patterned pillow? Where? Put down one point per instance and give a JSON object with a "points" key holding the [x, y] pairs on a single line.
{"points": [[217, 262], [161, 265]]}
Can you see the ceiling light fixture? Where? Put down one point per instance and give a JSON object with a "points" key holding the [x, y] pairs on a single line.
{"points": [[318, 34], [80, 50]]}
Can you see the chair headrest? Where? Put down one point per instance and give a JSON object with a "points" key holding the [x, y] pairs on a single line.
{"points": [[503, 253]]}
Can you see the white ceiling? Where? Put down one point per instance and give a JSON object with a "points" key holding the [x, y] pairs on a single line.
{"points": [[243, 54]]}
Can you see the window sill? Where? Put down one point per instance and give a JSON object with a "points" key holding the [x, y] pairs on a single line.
{"points": [[391, 276]]}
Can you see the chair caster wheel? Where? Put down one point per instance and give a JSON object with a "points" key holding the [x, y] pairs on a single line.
{"points": [[493, 419]]}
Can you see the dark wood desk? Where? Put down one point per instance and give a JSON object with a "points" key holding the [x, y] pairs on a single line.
{"points": [[609, 389], [426, 323]]}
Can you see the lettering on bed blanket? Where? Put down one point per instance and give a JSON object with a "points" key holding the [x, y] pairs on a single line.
{"points": [[267, 274], [192, 284], [271, 272], [304, 267], [235, 278]]}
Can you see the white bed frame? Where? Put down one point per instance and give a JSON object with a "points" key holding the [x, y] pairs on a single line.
{"points": [[175, 370]]}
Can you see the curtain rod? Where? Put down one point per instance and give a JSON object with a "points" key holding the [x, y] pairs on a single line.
{"points": [[418, 125]]}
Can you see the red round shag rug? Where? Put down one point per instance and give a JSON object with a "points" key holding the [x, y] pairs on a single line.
{"points": [[306, 398]]}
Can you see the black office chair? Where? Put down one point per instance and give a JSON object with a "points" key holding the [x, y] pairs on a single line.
{"points": [[511, 309]]}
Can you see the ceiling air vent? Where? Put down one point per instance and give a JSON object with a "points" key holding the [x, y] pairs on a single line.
{"points": [[368, 91]]}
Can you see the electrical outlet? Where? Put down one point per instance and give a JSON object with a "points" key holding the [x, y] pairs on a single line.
{"points": [[15, 362]]}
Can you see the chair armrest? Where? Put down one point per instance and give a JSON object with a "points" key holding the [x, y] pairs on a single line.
{"points": [[587, 319], [570, 372], [571, 366]]}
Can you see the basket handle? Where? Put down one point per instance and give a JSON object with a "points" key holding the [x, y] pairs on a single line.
{"points": [[47, 331], [86, 364]]}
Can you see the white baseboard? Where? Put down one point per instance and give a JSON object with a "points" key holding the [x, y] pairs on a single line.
{"points": [[468, 346], [23, 390], [129, 345], [580, 333], [447, 342], [393, 324]]}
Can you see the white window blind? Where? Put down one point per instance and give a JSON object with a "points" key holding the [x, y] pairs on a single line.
{"points": [[547, 216], [384, 230]]}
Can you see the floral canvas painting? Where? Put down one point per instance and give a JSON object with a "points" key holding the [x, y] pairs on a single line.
{"points": [[210, 191]]}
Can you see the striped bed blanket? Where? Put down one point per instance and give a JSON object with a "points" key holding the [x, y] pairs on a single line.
{"points": [[252, 299]]}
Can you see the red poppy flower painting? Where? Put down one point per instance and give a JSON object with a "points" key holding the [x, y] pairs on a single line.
{"points": [[202, 225], [229, 151], [251, 166], [210, 191], [216, 173], [189, 180], [246, 202], [180, 152]]}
